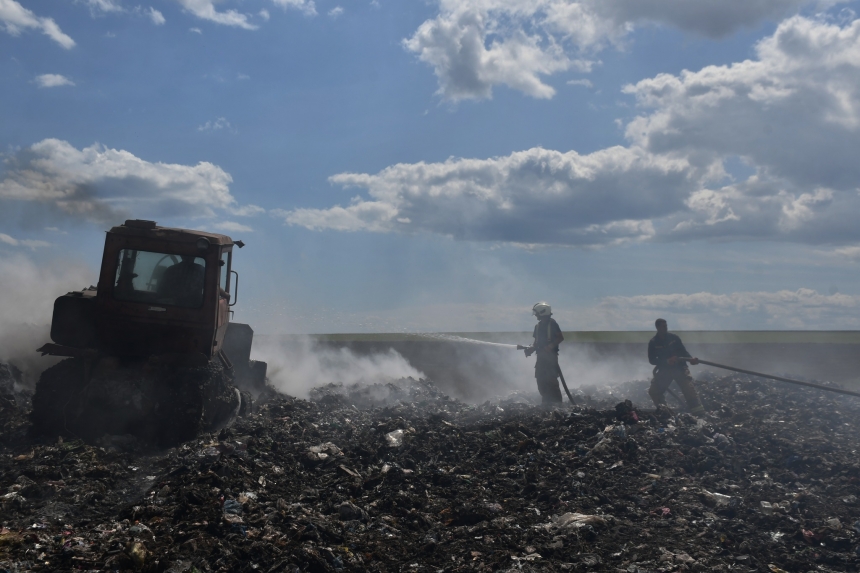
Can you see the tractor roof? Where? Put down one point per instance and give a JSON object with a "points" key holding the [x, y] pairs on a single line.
{"points": [[141, 228]]}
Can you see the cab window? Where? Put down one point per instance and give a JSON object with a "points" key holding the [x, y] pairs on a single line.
{"points": [[160, 278]]}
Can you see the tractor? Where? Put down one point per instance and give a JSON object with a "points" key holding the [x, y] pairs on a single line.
{"points": [[150, 351]]}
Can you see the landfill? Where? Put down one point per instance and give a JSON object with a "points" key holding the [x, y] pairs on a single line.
{"points": [[398, 476]]}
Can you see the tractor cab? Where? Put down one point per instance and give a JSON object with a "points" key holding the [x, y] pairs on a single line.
{"points": [[161, 291]]}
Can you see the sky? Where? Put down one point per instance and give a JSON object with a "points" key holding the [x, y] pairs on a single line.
{"points": [[442, 165]]}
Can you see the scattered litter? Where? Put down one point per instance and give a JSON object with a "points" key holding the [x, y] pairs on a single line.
{"points": [[398, 476]]}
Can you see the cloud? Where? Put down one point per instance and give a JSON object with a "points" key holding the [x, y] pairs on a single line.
{"points": [[456, 45], [53, 81], [14, 18], [248, 211], [533, 196], [584, 83], [195, 30], [474, 45], [107, 185], [217, 125], [156, 16], [792, 116], [308, 7], [33, 244], [336, 12], [710, 18], [232, 227], [852, 252], [103, 6], [205, 10], [801, 309]]}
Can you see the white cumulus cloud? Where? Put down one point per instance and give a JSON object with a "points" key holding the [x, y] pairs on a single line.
{"points": [[53, 81], [801, 309], [156, 16], [791, 115], [33, 244], [104, 6], [308, 7], [205, 10], [529, 197], [248, 211], [15, 18], [217, 125], [232, 227], [474, 45], [106, 185]]}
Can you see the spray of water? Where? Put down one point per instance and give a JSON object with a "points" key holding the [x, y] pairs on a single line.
{"points": [[454, 338]]}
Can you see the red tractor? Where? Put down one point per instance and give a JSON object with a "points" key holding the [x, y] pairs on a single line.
{"points": [[151, 350]]}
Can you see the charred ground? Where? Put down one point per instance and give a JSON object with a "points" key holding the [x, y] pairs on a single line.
{"points": [[399, 476]]}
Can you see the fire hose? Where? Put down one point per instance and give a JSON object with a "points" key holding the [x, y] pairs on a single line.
{"points": [[563, 383], [779, 378]]}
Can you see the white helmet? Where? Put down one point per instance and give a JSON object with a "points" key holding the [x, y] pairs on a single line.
{"points": [[542, 309]]}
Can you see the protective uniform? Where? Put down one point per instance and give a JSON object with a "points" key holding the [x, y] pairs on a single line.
{"points": [[659, 352], [546, 332]]}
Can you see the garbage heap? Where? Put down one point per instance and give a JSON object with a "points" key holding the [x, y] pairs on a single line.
{"points": [[14, 402], [400, 477]]}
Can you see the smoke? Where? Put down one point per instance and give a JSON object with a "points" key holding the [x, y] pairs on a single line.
{"points": [[28, 293], [470, 370], [298, 364], [476, 373]]}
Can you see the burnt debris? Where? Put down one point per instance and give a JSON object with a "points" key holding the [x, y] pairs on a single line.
{"points": [[400, 477]]}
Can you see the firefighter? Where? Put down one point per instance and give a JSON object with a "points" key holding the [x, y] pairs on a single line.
{"points": [[664, 352], [547, 335]]}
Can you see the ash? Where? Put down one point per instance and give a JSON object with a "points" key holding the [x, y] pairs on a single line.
{"points": [[400, 477]]}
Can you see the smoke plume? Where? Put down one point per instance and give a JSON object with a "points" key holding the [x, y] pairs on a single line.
{"points": [[26, 306], [299, 364]]}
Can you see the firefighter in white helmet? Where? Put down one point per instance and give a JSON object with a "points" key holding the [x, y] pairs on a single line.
{"points": [[547, 335]]}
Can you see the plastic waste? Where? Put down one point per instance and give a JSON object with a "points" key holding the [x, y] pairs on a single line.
{"points": [[232, 506], [394, 439]]}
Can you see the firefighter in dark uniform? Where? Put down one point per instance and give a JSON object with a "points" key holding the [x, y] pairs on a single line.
{"points": [[547, 335], [664, 351]]}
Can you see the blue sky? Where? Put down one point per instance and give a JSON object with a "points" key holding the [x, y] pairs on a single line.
{"points": [[442, 165]]}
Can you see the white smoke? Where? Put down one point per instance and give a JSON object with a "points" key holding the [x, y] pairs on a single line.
{"points": [[26, 305], [485, 372], [299, 364]]}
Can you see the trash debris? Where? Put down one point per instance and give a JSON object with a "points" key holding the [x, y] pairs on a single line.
{"points": [[318, 485], [394, 439], [575, 521]]}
